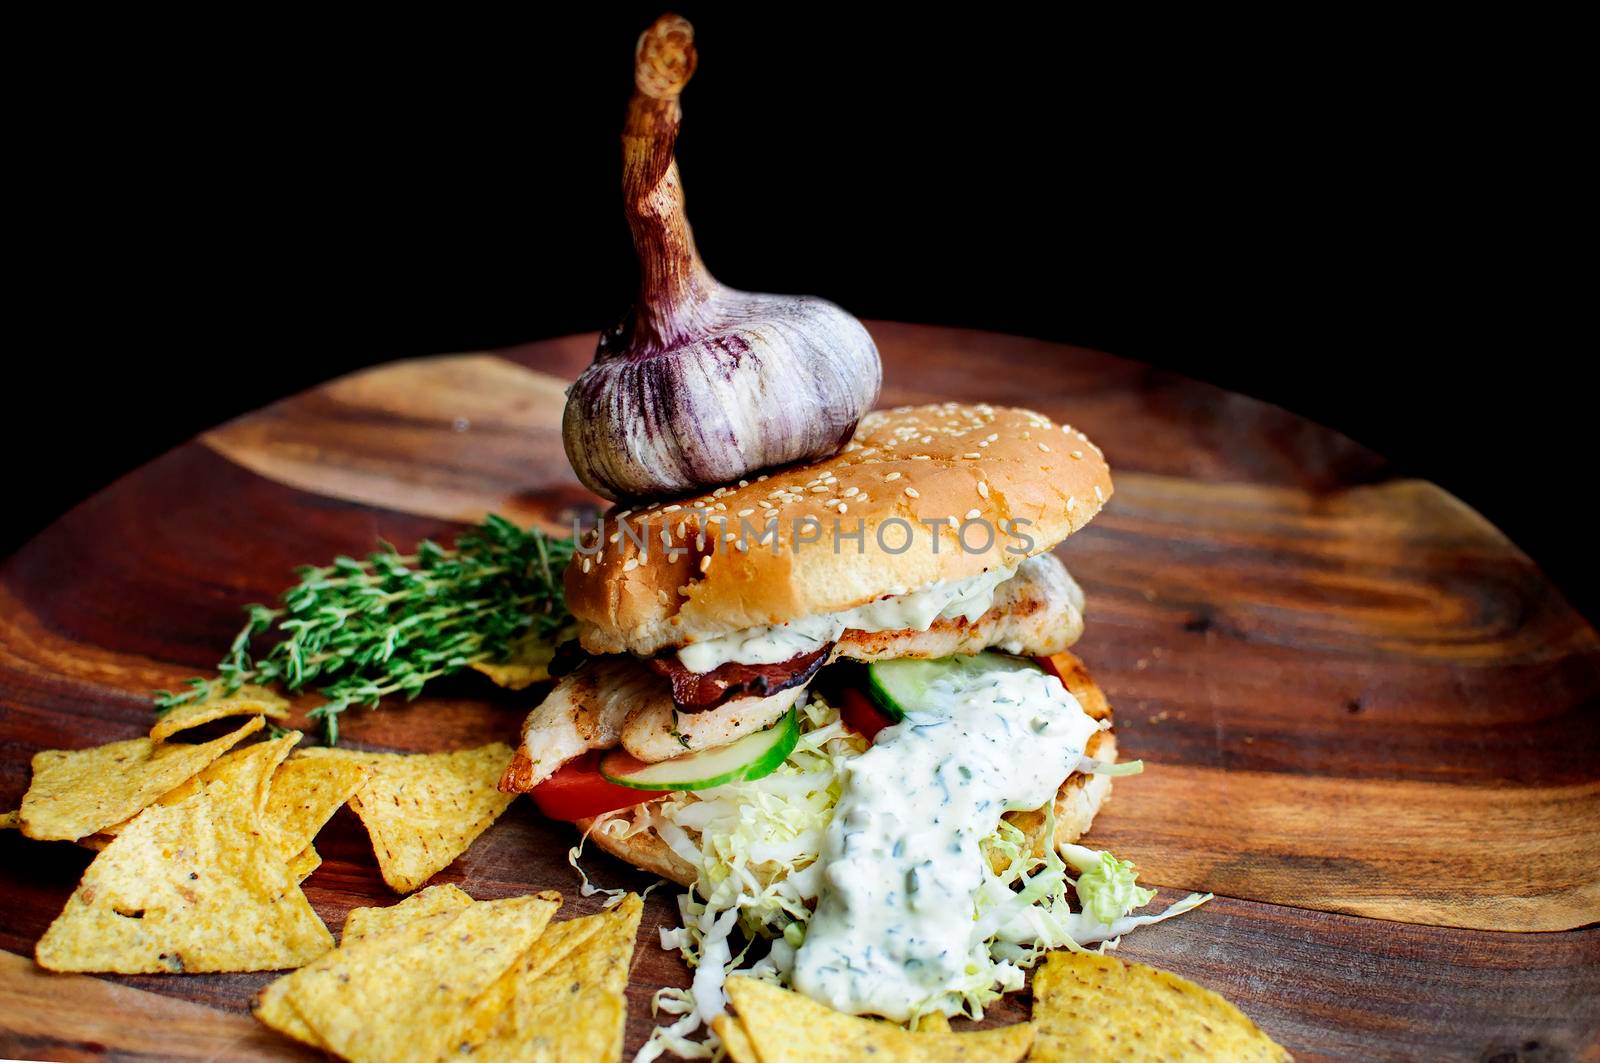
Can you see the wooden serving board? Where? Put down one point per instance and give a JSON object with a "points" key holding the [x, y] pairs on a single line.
{"points": [[1372, 725]]}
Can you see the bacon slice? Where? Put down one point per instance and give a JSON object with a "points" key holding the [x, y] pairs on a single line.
{"points": [[698, 691]]}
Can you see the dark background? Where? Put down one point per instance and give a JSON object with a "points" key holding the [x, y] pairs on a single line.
{"points": [[1363, 220]]}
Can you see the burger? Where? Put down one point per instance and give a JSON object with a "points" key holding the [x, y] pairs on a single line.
{"points": [[835, 703]]}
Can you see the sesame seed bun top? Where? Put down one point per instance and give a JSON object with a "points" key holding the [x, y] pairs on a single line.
{"points": [[997, 485]]}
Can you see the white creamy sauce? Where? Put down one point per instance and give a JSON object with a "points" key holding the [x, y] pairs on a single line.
{"points": [[894, 927], [914, 611]]}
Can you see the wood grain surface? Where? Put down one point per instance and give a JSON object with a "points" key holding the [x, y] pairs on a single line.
{"points": [[1370, 722]]}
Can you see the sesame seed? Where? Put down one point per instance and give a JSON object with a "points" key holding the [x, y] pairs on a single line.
{"points": [[972, 514], [913, 492], [1072, 504], [662, 597], [821, 489], [843, 507], [730, 537], [746, 512], [983, 442], [954, 524], [891, 476], [723, 506], [983, 489], [1099, 494], [744, 483], [672, 509], [705, 563], [850, 491], [972, 454], [630, 564], [741, 546], [1044, 448], [993, 436], [615, 537], [1077, 455], [586, 565], [764, 504], [624, 514], [920, 457]]}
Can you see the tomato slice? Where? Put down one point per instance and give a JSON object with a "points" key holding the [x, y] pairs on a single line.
{"points": [[1058, 668], [578, 790], [860, 714]]}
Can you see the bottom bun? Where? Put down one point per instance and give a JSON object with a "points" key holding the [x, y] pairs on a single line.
{"points": [[1077, 802]]}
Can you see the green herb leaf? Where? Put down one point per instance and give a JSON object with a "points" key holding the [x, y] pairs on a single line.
{"points": [[393, 623]]}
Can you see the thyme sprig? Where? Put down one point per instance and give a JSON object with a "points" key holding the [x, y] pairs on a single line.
{"points": [[391, 623]]}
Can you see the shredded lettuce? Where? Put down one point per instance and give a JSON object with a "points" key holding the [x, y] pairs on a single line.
{"points": [[754, 847], [1115, 769], [1106, 886]]}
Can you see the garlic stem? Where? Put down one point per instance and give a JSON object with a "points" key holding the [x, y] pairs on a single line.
{"points": [[675, 288]]}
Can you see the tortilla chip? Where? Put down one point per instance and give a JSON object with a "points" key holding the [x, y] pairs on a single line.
{"points": [[735, 1040], [933, 1022], [306, 792], [246, 701], [417, 992], [788, 1027], [1003, 1044], [435, 900], [528, 663], [246, 761], [1085, 1006], [250, 768], [558, 941], [592, 974], [569, 998], [273, 1008], [590, 1027], [187, 887], [422, 810], [304, 862], [79, 792], [598, 955]]}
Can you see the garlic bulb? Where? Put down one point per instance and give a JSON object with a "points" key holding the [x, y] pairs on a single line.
{"points": [[701, 384]]}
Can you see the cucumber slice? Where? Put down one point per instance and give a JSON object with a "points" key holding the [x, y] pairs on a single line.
{"points": [[899, 686], [750, 757]]}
